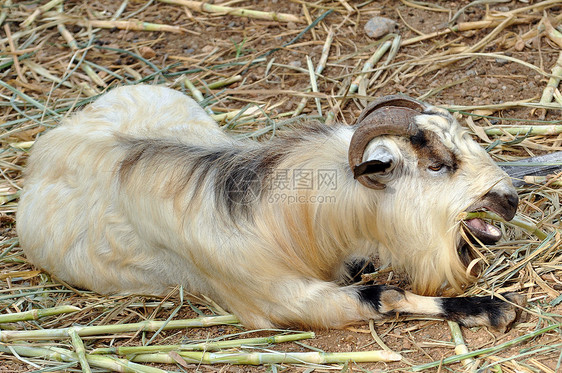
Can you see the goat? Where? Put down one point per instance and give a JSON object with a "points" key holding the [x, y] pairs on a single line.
{"points": [[142, 191]]}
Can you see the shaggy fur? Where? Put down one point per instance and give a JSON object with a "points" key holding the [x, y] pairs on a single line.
{"points": [[142, 191]]}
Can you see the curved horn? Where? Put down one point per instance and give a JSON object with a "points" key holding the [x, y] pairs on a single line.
{"points": [[389, 115], [392, 100]]}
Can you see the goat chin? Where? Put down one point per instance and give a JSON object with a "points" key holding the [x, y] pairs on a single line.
{"points": [[142, 191]]}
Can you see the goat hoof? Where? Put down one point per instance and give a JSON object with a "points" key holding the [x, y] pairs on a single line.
{"points": [[511, 313]]}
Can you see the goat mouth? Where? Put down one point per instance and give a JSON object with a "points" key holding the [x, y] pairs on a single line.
{"points": [[477, 232], [483, 231], [480, 232]]}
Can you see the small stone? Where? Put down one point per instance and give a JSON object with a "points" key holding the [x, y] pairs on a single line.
{"points": [[295, 63], [379, 26], [493, 80], [292, 26], [501, 61], [147, 52]]}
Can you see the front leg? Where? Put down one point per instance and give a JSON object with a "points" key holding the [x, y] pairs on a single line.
{"points": [[318, 304], [467, 311]]}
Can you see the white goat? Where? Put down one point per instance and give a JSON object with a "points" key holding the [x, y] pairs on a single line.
{"points": [[142, 191]]}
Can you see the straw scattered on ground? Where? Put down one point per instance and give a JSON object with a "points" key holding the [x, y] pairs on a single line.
{"points": [[257, 66]]}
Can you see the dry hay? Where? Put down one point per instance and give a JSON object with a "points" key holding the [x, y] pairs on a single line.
{"points": [[497, 64]]}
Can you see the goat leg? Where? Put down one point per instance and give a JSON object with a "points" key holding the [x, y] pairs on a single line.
{"points": [[467, 311]]}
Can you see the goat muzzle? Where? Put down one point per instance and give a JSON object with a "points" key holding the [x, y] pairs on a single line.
{"points": [[503, 203]]}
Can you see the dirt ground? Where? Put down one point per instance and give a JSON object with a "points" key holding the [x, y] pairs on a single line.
{"points": [[507, 70]]}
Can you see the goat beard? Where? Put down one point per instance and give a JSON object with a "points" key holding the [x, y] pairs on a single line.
{"points": [[474, 234], [467, 253]]}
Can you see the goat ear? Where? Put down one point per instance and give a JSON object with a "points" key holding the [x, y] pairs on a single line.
{"points": [[371, 167], [377, 162]]}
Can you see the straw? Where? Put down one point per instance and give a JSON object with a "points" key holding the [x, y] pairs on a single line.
{"points": [[241, 12], [262, 67]]}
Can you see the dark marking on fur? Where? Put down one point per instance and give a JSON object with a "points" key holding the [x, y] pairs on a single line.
{"points": [[431, 151], [371, 294], [374, 294], [240, 175], [356, 268], [245, 178], [460, 308], [419, 140]]}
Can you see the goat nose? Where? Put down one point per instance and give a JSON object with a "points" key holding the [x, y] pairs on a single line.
{"points": [[512, 199], [503, 202]]}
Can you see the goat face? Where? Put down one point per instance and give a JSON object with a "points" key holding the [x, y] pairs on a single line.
{"points": [[429, 171]]}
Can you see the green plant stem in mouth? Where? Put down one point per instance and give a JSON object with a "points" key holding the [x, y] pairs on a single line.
{"points": [[516, 221]]}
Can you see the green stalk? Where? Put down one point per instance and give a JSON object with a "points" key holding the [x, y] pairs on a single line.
{"points": [[80, 350], [460, 345], [542, 180], [120, 10], [381, 50], [224, 82], [204, 346], [313, 84], [197, 95], [37, 314], [27, 98], [319, 68], [354, 87], [4, 13], [553, 82], [525, 130], [60, 354], [244, 112], [516, 221], [131, 25], [39, 11], [555, 347], [489, 350], [201, 6], [259, 358], [45, 73], [146, 326]]}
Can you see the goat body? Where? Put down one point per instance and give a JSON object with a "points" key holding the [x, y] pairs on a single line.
{"points": [[142, 191]]}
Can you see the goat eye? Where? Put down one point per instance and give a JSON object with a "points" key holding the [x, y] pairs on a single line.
{"points": [[436, 167]]}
